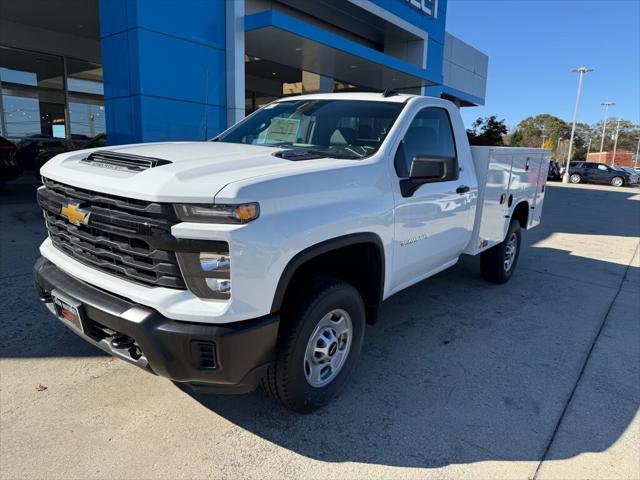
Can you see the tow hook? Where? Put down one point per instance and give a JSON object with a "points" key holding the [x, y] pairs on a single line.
{"points": [[123, 342]]}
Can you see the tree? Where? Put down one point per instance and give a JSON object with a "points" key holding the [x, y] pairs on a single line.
{"points": [[548, 144], [627, 137], [488, 131], [530, 131]]}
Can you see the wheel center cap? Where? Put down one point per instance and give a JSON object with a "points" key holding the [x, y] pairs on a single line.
{"points": [[332, 348]]}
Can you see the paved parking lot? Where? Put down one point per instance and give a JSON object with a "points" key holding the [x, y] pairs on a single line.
{"points": [[460, 379]]}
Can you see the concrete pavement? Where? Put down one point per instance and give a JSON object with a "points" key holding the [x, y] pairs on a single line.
{"points": [[459, 379]]}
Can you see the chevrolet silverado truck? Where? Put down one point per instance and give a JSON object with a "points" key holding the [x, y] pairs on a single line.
{"points": [[260, 256]]}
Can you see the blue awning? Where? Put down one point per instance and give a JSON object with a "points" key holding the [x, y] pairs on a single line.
{"points": [[274, 36]]}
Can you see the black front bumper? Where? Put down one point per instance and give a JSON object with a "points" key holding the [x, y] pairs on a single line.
{"points": [[228, 358]]}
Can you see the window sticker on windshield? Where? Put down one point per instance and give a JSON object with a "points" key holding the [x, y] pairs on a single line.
{"points": [[283, 130]]}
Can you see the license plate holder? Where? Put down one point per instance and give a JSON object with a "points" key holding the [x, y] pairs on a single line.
{"points": [[68, 310]]}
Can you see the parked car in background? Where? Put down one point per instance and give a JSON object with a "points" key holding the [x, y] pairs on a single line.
{"points": [[635, 175], [33, 152], [98, 141], [592, 172], [554, 171], [10, 167]]}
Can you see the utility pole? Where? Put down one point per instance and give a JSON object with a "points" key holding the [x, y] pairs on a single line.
{"points": [[637, 152], [606, 106], [581, 71], [588, 150], [615, 144], [543, 139]]}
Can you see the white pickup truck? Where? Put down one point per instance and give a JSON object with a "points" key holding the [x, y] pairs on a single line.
{"points": [[260, 256]]}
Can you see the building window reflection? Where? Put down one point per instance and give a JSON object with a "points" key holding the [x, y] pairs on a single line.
{"points": [[38, 101]]}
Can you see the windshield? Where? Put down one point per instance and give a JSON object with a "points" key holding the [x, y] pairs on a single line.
{"points": [[332, 128]]}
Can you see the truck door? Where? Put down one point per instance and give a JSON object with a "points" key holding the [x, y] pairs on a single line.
{"points": [[432, 224]]}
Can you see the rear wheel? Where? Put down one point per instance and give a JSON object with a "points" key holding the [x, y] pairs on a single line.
{"points": [[498, 263], [617, 181], [575, 178], [319, 343]]}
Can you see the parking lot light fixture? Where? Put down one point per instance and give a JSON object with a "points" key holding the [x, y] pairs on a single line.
{"points": [[581, 71], [615, 144], [606, 106]]}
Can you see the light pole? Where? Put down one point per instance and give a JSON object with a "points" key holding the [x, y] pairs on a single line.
{"points": [[581, 71], [558, 147], [615, 144], [543, 139], [606, 106], [588, 150]]}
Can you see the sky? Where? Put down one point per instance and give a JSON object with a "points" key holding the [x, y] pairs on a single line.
{"points": [[534, 44]]}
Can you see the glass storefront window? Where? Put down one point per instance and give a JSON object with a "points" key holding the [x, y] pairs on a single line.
{"points": [[32, 94], [86, 101], [32, 101], [86, 119]]}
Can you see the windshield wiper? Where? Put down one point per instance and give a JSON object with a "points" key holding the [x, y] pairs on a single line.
{"points": [[299, 154]]}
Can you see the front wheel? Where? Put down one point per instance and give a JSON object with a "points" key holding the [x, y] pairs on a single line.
{"points": [[617, 181], [575, 178], [319, 343], [498, 263]]}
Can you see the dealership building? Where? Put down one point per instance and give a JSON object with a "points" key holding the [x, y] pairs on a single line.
{"points": [[144, 71]]}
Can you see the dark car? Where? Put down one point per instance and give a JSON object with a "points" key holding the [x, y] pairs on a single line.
{"points": [[33, 152], [554, 171], [591, 172], [10, 167], [99, 140]]}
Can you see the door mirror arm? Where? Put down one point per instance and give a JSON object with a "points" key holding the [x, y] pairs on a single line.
{"points": [[424, 169]]}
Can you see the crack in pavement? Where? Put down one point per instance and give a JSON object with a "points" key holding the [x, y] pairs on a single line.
{"points": [[584, 365]]}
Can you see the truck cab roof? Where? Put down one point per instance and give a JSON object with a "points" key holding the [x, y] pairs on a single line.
{"points": [[365, 96]]}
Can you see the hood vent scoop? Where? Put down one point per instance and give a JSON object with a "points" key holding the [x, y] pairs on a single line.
{"points": [[123, 161]]}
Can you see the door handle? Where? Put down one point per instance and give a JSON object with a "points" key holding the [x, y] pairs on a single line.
{"points": [[462, 189]]}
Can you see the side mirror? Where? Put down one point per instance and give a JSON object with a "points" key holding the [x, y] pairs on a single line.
{"points": [[428, 168], [423, 170]]}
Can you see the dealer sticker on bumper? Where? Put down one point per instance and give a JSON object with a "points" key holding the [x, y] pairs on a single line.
{"points": [[67, 310]]}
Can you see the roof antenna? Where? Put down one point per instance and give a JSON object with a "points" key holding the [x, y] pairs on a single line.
{"points": [[389, 92]]}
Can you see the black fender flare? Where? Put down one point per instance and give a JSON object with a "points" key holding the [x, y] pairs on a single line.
{"points": [[318, 249]]}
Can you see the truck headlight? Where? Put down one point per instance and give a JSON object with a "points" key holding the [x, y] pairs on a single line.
{"points": [[207, 274], [193, 212]]}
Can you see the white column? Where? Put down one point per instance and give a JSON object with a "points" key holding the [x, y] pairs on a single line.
{"points": [[234, 36]]}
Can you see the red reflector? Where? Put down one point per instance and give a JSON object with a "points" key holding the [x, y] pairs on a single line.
{"points": [[68, 314]]}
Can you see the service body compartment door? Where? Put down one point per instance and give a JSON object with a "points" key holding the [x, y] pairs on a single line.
{"points": [[525, 178], [543, 171], [495, 207]]}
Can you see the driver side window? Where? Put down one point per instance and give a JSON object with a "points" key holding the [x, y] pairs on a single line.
{"points": [[429, 135]]}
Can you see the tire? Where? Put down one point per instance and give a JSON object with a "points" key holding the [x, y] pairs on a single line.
{"points": [[617, 181], [495, 267], [322, 302], [575, 178]]}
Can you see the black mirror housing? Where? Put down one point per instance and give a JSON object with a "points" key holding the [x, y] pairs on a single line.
{"points": [[424, 169], [428, 168]]}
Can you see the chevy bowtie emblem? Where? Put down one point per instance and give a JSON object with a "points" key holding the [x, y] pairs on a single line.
{"points": [[74, 214]]}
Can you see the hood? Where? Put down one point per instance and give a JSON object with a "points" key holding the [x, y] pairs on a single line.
{"points": [[198, 170]]}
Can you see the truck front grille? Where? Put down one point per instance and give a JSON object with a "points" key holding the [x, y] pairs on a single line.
{"points": [[125, 237]]}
